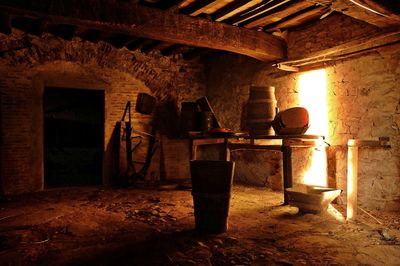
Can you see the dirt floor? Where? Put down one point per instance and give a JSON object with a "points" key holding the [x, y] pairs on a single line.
{"points": [[98, 226]]}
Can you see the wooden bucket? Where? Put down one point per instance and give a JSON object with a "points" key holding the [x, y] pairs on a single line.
{"points": [[211, 190], [292, 121], [261, 110]]}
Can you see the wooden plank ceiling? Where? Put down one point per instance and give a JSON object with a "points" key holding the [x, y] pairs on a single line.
{"points": [[188, 27]]}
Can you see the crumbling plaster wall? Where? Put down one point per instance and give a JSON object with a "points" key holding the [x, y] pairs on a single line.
{"points": [[51, 61], [364, 103]]}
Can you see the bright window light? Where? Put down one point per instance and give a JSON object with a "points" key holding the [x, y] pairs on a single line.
{"points": [[313, 96]]}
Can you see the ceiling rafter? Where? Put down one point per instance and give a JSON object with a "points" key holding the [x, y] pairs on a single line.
{"points": [[254, 11], [276, 14], [229, 9], [297, 18], [387, 18]]}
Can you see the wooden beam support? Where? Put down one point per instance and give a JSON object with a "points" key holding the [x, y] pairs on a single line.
{"points": [[133, 19], [276, 14]]}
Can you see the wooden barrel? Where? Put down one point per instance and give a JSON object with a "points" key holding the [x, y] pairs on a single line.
{"points": [[261, 110], [292, 121]]}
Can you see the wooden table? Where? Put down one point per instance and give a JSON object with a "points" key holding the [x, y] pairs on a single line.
{"points": [[284, 144]]}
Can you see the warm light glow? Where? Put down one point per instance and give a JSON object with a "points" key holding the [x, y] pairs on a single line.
{"points": [[313, 96], [352, 169]]}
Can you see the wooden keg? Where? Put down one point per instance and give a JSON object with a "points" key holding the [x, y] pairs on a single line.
{"points": [[261, 110]]}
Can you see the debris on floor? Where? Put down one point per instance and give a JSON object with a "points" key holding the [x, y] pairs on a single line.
{"points": [[81, 226]]}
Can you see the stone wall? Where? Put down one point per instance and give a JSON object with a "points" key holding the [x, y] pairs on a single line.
{"points": [[52, 62], [363, 102]]}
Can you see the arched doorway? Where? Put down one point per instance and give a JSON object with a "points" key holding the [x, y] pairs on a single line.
{"points": [[73, 131]]}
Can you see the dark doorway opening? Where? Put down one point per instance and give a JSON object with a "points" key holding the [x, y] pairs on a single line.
{"points": [[73, 137]]}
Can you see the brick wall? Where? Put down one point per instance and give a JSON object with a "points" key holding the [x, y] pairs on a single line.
{"points": [[364, 102], [50, 61]]}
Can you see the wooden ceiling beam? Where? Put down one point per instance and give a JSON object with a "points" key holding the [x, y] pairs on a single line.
{"points": [[385, 17], [276, 14], [297, 18], [228, 9], [254, 11], [136, 20]]}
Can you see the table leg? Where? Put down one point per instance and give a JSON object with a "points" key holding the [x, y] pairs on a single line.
{"points": [[193, 150], [287, 171], [227, 151]]}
